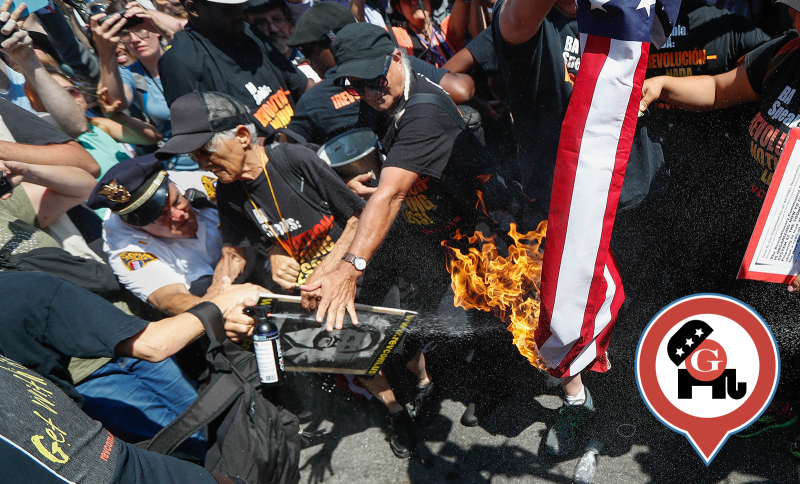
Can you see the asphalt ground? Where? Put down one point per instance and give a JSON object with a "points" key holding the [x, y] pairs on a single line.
{"points": [[350, 444]]}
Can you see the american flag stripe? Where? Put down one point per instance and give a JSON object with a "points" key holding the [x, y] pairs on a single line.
{"points": [[581, 288]]}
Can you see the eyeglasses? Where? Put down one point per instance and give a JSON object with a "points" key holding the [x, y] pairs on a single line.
{"points": [[181, 204], [358, 87], [125, 35]]}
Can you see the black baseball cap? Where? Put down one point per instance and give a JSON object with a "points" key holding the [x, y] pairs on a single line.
{"points": [[197, 116], [135, 189], [361, 50], [321, 21], [793, 4]]}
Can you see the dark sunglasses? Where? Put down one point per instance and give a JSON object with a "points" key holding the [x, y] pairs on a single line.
{"points": [[357, 88]]}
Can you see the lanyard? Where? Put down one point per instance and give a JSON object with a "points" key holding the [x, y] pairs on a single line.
{"points": [[286, 245]]}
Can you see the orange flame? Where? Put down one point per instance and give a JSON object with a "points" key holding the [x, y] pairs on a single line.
{"points": [[508, 287]]}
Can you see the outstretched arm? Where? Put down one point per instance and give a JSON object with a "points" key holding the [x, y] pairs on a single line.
{"points": [[521, 19], [339, 287], [700, 93]]}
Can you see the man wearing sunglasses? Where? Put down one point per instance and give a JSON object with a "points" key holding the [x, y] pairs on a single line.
{"points": [[160, 246]]}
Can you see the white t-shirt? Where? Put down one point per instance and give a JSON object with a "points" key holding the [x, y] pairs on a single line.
{"points": [[144, 263]]}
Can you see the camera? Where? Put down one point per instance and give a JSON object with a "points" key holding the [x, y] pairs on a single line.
{"points": [[5, 185]]}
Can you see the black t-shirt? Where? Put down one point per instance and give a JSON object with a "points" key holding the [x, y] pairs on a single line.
{"points": [[327, 110], [312, 234], [46, 320], [249, 68], [482, 49], [538, 92], [46, 439], [774, 73], [27, 128], [426, 140], [570, 44]]}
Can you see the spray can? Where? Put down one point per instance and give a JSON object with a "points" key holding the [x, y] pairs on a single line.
{"points": [[266, 340]]}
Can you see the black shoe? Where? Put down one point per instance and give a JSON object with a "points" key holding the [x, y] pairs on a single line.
{"points": [[425, 404], [469, 419], [563, 435], [401, 434]]}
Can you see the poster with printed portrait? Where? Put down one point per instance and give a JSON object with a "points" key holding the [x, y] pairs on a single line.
{"points": [[355, 349]]}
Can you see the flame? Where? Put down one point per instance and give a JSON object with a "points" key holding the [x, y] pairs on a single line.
{"points": [[508, 287]]}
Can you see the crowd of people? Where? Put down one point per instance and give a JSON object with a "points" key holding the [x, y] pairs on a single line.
{"points": [[162, 171]]}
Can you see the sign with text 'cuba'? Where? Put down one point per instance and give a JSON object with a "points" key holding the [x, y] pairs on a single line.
{"points": [[707, 367]]}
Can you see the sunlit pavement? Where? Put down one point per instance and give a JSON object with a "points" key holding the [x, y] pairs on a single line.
{"points": [[506, 446]]}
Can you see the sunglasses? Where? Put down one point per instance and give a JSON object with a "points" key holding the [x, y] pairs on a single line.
{"points": [[125, 35], [359, 87]]}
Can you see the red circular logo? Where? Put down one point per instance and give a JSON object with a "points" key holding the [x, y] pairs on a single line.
{"points": [[707, 361]]}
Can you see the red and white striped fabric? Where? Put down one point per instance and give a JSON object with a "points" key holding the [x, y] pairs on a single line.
{"points": [[581, 287]]}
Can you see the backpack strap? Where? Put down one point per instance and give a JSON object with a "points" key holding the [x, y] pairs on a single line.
{"points": [[215, 399], [141, 90], [448, 106], [292, 176]]}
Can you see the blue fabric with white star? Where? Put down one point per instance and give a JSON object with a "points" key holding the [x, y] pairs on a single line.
{"points": [[633, 20]]}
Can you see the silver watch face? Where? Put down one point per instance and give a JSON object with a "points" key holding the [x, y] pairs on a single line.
{"points": [[360, 263]]}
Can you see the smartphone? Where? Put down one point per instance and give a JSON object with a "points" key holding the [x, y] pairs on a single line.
{"points": [[131, 21], [5, 185]]}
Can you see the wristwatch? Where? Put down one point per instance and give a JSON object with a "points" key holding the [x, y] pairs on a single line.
{"points": [[359, 263]]}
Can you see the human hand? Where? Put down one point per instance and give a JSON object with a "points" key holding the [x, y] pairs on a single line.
{"points": [[794, 286], [651, 90], [108, 108], [18, 43], [106, 35], [134, 9], [496, 109], [284, 269], [359, 187], [310, 299], [232, 301], [338, 296], [14, 172]]}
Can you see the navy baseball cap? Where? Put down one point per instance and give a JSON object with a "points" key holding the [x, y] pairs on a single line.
{"points": [[361, 50], [320, 22], [135, 189], [197, 116]]}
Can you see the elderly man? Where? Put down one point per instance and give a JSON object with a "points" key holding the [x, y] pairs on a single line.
{"points": [[163, 247], [283, 201]]}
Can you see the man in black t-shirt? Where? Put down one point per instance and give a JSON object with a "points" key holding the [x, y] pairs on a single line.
{"points": [[219, 52], [47, 321], [327, 109], [284, 201], [296, 224], [45, 439]]}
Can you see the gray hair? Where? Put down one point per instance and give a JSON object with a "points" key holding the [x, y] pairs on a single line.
{"points": [[211, 145]]}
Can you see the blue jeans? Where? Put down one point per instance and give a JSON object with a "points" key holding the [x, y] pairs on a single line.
{"points": [[134, 399]]}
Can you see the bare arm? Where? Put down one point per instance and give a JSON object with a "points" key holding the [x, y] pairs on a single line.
{"points": [[700, 93], [66, 154], [463, 61], [106, 37], [173, 299], [521, 19], [477, 19], [52, 190], [459, 21], [357, 9], [230, 265], [56, 100], [339, 286], [461, 87], [162, 339], [125, 129]]}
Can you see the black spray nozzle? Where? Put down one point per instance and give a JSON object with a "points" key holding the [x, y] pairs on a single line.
{"points": [[262, 309]]}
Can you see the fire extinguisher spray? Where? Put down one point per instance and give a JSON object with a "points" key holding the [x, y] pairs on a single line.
{"points": [[266, 340]]}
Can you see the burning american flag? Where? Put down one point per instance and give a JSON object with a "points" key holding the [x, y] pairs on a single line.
{"points": [[581, 290]]}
